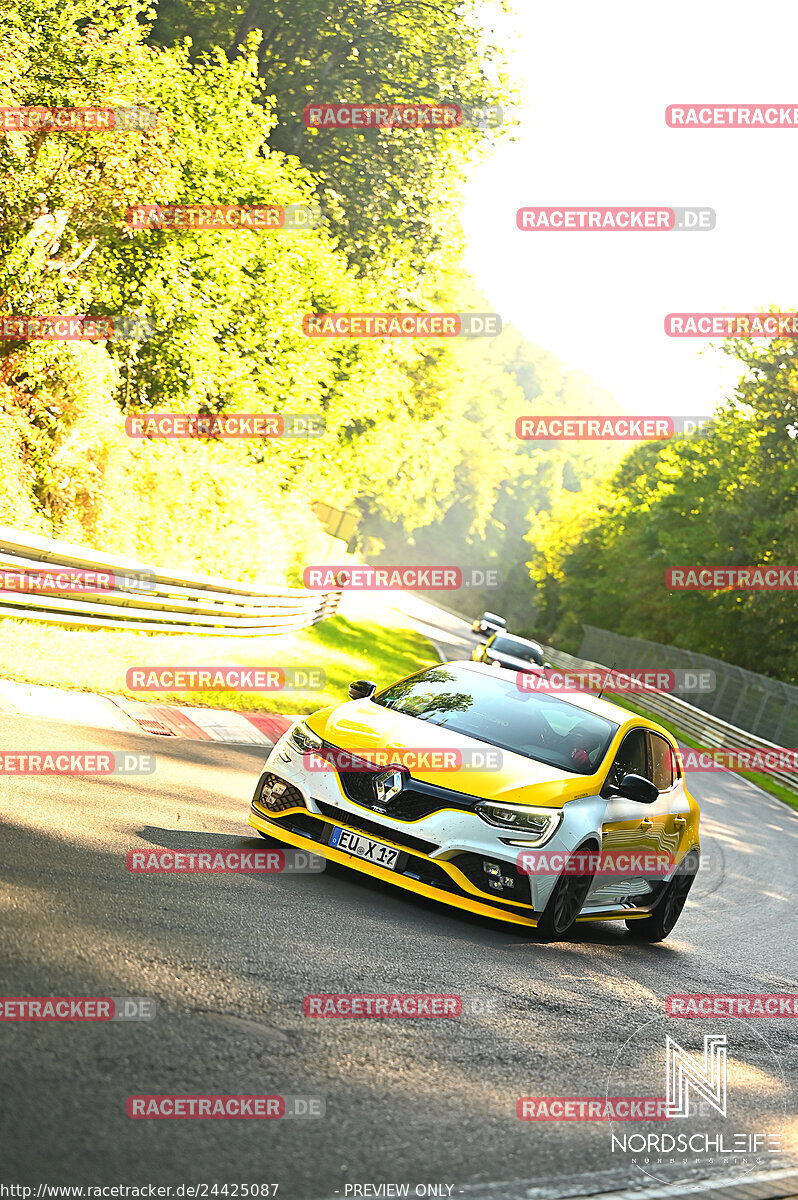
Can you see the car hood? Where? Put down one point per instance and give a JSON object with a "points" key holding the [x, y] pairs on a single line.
{"points": [[362, 725]]}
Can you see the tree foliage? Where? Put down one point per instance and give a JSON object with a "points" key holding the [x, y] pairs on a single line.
{"points": [[722, 497], [391, 195], [419, 433]]}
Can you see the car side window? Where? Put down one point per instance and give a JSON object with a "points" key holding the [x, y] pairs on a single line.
{"points": [[631, 759], [661, 754]]}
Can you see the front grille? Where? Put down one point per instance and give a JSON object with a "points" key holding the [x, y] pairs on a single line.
{"points": [[358, 786], [379, 831], [421, 800], [473, 867], [416, 800]]}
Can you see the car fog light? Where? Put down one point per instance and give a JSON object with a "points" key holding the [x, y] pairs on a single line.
{"points": [[496, 880], [277, 796]]}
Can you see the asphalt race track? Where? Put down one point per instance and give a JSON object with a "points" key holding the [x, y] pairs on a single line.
{"points": [[228, 959]]}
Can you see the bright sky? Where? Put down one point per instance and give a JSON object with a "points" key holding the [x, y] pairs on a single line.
{"points": [[599, 75]]}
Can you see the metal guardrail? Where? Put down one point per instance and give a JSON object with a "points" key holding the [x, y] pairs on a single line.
{"points": [[742, 698], [706, 729], [148, 598]]}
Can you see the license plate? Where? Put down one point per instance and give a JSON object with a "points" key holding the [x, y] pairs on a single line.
{"points": [[364, 847]]}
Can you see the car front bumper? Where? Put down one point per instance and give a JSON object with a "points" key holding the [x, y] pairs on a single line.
{"points": [[451, 854], [408, 877], [445, 855]]}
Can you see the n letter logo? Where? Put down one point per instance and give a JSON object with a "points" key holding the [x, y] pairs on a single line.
{"points": [[707, 1079]]}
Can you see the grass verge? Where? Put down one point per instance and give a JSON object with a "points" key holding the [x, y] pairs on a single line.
{"points": [[97, 660], [786, 795]]}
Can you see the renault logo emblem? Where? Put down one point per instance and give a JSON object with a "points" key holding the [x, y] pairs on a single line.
{"points": [[387, 785]]}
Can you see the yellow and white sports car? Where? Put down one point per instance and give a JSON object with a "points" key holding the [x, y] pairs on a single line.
{"points": [[461, 784]]}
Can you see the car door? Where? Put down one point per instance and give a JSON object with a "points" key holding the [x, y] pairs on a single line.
{"points": [[667, 778], [629, 826]]}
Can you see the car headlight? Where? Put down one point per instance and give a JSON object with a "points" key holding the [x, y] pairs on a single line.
{"points": [[540, 823], [304, 740]]}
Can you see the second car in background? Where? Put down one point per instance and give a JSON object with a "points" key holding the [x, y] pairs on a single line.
{"points": [[507, 650], [488, 623]]}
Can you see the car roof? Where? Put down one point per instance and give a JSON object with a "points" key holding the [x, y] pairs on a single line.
{"points": [[585, 700]]}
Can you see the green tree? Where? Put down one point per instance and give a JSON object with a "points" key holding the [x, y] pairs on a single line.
{"points": [[722, 497], [391, 196]]}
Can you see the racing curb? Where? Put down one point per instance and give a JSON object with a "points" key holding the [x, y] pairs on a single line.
{"points": [[135, 716]]}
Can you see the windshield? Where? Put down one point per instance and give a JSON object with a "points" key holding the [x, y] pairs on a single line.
{"points": [[517, 647], [496, 711]]}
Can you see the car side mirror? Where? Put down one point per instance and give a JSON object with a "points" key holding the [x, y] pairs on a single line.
{"points": [[635, 787], [362, 689]]}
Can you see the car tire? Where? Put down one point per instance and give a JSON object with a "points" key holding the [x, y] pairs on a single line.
{"points": [[669, 907], [564, 905]]}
